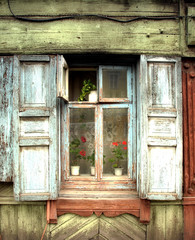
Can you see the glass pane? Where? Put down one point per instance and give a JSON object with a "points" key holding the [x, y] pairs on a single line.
{"points": [[115, 128], [82, 139], [114, 83], [76, 79]]}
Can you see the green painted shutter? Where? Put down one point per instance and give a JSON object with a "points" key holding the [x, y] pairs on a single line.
{"points": [[6, 115], [160, 140], [36, 152]]}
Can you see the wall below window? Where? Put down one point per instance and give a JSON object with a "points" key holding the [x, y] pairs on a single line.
{"points": [[25, 221]]}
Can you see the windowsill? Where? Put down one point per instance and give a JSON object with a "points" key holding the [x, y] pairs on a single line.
{"points": [[109, 203]]}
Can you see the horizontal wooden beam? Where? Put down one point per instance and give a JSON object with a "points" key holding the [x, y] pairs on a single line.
{"points": [[89, 35], [106, 7]]}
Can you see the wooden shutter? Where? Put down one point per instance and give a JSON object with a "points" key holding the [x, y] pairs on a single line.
{"points": [[160, 117], [62, 78], [6, 114], [35, 128]]}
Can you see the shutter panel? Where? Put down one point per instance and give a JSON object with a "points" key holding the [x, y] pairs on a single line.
{"points": [[62, 78], [161, 128], [6, 114], [35, 128]]}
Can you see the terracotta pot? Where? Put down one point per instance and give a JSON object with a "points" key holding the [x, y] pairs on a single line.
{"points": [[118, 171], [75, 170], [92, 171]]}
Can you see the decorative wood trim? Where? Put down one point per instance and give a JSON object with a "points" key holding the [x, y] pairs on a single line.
{"points": [[51, 212], [188, 82], [144, 211], [189, 218], [108, 207]]}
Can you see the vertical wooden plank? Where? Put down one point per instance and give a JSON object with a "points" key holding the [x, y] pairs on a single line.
{"points": [[31, 221], [6, 115], [174, 222], [156, 228], [9, 222], [189, 222]]}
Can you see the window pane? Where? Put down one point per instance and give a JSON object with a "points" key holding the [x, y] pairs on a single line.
{"points": [[82, 139], [114, 83], [115, 128]]}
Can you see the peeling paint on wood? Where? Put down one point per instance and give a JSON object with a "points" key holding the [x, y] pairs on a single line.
{"points": [[6, 121]]}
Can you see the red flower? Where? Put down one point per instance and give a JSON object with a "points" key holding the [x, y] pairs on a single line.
{"points": [[125, 148], [82, 152], [124, 143], [115, 144], [83, 139]]}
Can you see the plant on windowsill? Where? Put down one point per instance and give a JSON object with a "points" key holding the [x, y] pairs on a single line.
{"points": [[87, 88], [119, 152], [91, 159], [78, 154]]}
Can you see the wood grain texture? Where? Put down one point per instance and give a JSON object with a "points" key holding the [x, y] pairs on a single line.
{"points": [[35, 138], [90, 35], [71, 226], [188, 81], [166, 223], [161, 144], [6, 119], [105, 7]]}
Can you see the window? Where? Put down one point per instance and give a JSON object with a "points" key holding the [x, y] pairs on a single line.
{"points": [[141, 118], [98, 146]]}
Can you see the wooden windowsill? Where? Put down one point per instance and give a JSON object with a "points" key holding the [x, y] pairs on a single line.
{"points": [[109, 203]]}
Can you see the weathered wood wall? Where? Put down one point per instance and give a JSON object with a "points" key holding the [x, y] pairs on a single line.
{"points": [[93, 34], [27, 221]]}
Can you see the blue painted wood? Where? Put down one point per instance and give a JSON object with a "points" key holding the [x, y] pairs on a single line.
{"points": [[160, 128], [36, 146], [6, 121]]}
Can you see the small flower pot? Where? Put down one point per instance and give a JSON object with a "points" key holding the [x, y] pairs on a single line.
{"points": [[93, 96], [118, 171], [92, 171], [75, 170]]}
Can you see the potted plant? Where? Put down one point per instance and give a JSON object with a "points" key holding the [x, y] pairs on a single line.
{"points": [[87, 88], [91, 159], [119, 152], [77, 155]]}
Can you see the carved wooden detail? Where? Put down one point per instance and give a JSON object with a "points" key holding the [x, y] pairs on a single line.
{"points": [[108, 207], [188, 76], [188, 79]]}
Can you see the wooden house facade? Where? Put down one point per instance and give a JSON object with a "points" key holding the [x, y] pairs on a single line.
{"points": [[140, 58]]}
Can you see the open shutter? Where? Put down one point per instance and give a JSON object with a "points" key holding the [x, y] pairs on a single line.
{"points": [[6, 114], [62, 78], [35, 128], [161, 128]]}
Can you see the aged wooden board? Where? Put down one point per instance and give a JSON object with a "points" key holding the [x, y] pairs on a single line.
{"points": [[71, 36], [6, 115], [190, 26], [35, 128], [22, 222], [161, 145], [105, 7]]}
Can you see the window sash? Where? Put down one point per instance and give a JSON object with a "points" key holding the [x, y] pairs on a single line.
{"points": [[98, 141]]}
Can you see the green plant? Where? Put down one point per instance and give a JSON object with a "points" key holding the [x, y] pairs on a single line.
{"points": [[76, 151], [88, 86], [91, 158], [119, 152]]}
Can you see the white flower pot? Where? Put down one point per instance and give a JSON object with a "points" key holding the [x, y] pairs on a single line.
{"points": [[75, 170], [118, 171], [92, 171], [93, 96]]}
